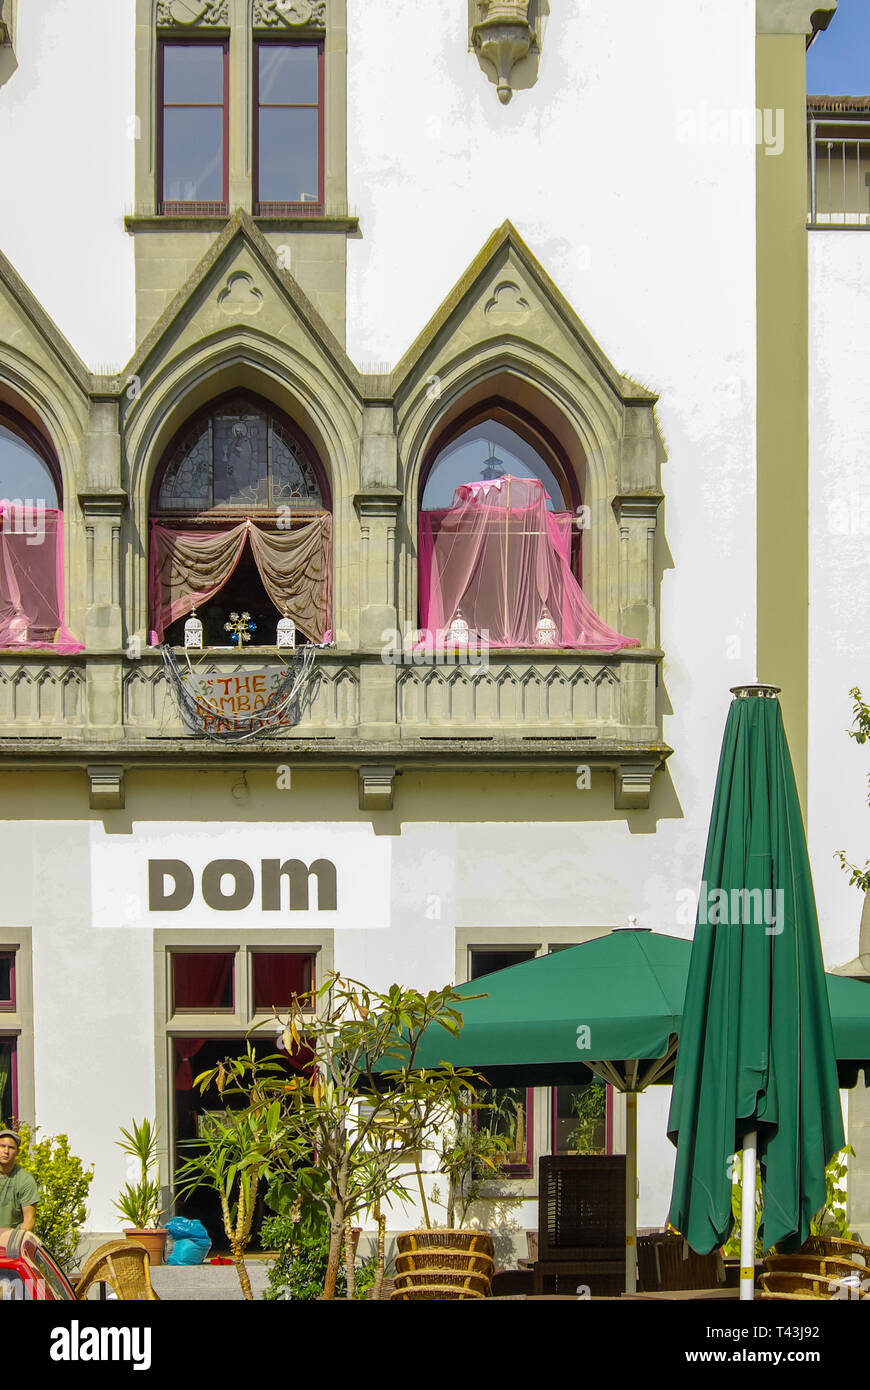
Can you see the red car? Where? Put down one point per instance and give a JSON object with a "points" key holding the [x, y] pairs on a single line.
{"points": [[27, 1271]]}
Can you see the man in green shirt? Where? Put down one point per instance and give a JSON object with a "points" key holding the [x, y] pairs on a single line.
{"points": [[18, 1191]]}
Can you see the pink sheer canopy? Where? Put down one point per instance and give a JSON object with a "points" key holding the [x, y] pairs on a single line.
{"points": [[189, 567], [31, 580], [502, 559]]}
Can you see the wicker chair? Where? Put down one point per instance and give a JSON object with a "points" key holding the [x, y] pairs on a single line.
{"points": [[433, 1293], [124, 1266], [581, 1224], [837, 1245], [823, 1266], [446, 1259], [461, 1282], [443, 1265], [779, 1284]]}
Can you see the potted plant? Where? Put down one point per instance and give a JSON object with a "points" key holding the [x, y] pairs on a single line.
{"points": [[139, 1202]]}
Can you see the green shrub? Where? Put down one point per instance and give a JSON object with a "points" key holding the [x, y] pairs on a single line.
{"points": [[299, 1271], [63, 1185]]}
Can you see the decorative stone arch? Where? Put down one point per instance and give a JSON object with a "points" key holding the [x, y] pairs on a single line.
{"points": [[60, 415], [295, 387], [582, 418]]}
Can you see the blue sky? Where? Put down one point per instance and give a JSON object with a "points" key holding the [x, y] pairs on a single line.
{"points": [[839, 61]]}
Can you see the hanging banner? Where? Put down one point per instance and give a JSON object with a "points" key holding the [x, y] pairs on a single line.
{"points": [[228, 704], [246, 704]]}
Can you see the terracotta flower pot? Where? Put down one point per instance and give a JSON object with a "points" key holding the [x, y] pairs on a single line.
{"points": [[154, 1241]]}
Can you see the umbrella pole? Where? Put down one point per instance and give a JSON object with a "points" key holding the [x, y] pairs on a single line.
{"points": [[631, 1191], [747, 1218]]}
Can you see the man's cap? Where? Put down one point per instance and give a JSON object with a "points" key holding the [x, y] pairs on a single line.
{"points": [[10, 1134]]}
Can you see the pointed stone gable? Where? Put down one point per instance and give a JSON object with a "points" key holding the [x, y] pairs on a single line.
{"points": [[504, 294], [241, 285]]}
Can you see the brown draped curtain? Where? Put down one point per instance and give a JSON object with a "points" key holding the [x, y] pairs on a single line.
{"points": [[189, 567]]}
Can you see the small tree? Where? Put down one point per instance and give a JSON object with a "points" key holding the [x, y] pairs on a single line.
{"points": [[236, 1154], [63, 1183], [357, 1112]]}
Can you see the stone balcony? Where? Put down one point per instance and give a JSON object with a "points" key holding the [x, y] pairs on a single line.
{"points": [[109, 713]]}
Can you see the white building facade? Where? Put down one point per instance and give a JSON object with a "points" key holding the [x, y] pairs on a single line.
{"points": [[600, 277]]}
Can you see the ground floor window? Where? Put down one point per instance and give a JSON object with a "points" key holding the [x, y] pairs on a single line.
{"points": [[212, 993], [507, 1111], [8, 1081], [582, 1119]]}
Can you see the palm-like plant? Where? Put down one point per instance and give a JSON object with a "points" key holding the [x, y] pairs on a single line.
{"points": [[235, 1154], [139, 1202]]}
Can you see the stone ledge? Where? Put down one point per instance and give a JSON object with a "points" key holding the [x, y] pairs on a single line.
{"points": [[151, 222]]}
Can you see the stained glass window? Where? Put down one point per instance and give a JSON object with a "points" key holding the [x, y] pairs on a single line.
{"points": [[242, 456]]}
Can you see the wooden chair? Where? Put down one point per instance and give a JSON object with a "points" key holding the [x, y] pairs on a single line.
{"points": [[124, 1266], [666, 1262]]}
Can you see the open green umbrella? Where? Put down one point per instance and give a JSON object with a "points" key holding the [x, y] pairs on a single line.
{"points": [[757, 1064], [609, 1008], [612, 1008]]}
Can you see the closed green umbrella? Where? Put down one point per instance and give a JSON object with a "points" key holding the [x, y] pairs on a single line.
{"points": [[757, 1057]]}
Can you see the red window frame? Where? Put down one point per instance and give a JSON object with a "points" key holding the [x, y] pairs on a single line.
{"points": [[291, 209], [220, 1011], [255, 951], [194, 209], [8, 1005], [12, 1040], [608, 1121]]}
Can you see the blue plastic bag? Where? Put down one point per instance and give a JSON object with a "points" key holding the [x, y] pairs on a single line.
{"points": [[190, 1239]]}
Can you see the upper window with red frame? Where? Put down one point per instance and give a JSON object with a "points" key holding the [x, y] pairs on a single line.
{"points": [[7, 979], [194, 107], [288, 128]]}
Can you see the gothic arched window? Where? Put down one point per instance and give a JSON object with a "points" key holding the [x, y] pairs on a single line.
{"points": [[31, 539], [241, 522]]}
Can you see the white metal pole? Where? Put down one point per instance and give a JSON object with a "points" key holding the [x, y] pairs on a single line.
{"points": [[747, 1218], [630, 1191]]}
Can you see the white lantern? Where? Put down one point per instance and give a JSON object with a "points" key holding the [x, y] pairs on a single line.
{"points": [[193, 632], [545, 632], [459, 630], [287, 633]]}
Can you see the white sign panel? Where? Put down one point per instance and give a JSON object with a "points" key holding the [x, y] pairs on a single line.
{"points": [[211, 875]]}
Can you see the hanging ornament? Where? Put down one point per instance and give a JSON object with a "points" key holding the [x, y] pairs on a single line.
{"points": [[240, 628]]}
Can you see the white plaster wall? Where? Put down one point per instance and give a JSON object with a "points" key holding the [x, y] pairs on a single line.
{"points": [[839, 817], [93, 992], [66, 132], [652, 241]]}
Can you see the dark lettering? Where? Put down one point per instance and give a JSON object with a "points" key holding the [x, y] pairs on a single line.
{"points": [[182, 890], [212, 892], [298, 875]]}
